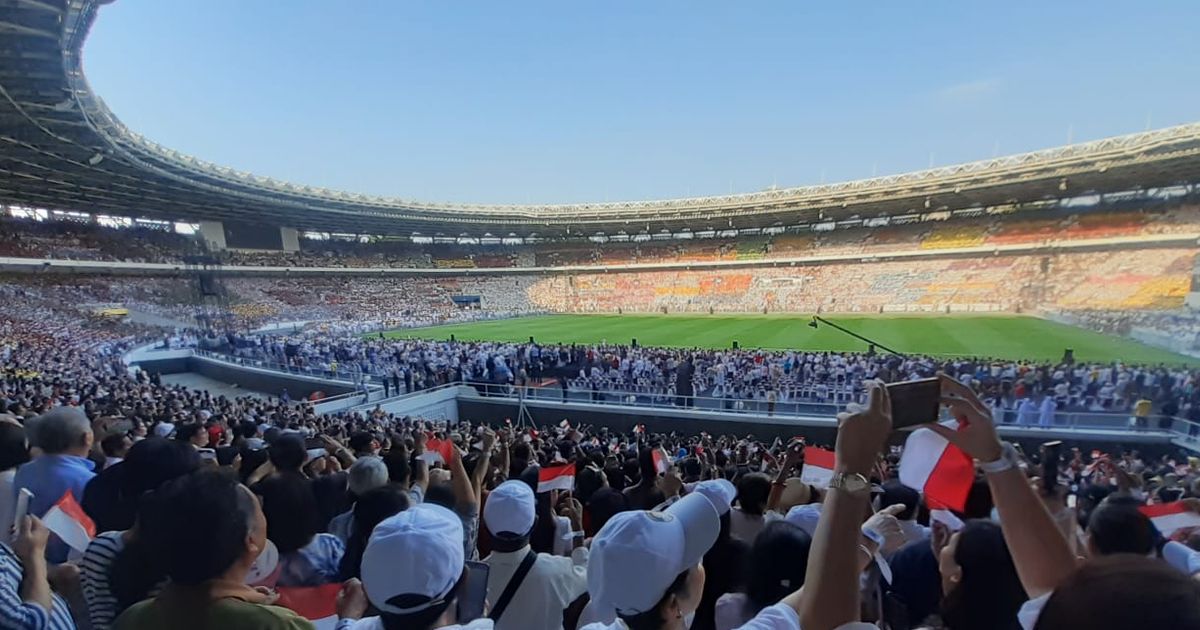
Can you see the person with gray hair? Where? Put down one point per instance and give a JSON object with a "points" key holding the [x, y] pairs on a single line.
{"points": [[366, 474], [63, 436]]}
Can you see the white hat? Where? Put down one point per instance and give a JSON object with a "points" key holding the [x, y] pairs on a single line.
{"points": [[721, 492], [805, 517], [164, 429], [264, 570], [637, 555], [510, 509], [418, 552]]}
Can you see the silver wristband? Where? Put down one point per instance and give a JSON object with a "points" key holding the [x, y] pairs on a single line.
{"points": [[1007, 460]]}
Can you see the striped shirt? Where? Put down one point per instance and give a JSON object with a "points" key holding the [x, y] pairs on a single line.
{"points": [[93, 576], [15, 612]]}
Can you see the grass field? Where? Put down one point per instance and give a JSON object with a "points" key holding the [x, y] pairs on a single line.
{"points": [[1000, 336]]}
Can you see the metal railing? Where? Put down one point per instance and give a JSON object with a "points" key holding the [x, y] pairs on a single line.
{"points": [[348, 375], [1183, 432], [809, 407]]}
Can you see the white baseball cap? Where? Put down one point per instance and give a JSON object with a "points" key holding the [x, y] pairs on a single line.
{"points": [[805, 517], [414, 559], [721, 492], [264, 571], [636, 556], [164, 429], [510, 509]]}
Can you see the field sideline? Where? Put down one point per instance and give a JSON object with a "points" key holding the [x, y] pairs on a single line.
{"points": [[999, 336]]}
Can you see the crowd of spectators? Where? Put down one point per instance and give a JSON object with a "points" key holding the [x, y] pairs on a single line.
{"points": [[74, 239], [209, 512], [1024, 392]]}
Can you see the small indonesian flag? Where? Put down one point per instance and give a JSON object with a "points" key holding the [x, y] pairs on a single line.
{"points": [[70, 523], [437, 450], [317, 604], [1169, 517], [662, 461], [556, 478], [937, 468], [818, 466]]}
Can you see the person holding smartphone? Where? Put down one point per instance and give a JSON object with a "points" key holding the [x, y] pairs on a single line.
{"points": [[415, 573]]}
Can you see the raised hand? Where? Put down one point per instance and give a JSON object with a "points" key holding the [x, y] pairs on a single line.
{"points": [[862, 431], [976, 434]]}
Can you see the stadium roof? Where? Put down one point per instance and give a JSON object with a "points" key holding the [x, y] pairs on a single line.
{"points": [[62, 149]]}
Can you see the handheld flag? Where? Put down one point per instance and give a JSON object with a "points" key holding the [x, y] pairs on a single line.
{"points": [[556, 478], [70, 523], [939, 469], [1170, 517], [818, 466], [317, 604]]}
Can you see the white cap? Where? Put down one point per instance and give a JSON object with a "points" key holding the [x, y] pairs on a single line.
{"points": [[510, 509], [721, 492], [805, 517], [418, 552], [164, 429], [264, 570], [637, 555]]}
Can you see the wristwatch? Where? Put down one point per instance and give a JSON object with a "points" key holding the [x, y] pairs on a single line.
{"points": [[852, 483], [1008, 459]]}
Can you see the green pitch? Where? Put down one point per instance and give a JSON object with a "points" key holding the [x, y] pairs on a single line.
{"points": [[1000, 336]]}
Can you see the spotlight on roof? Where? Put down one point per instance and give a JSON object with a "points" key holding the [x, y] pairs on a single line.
{"points": [[96, 159]]}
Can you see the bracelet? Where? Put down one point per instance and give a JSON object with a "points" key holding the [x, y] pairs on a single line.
{"points": [[1006, 461]]}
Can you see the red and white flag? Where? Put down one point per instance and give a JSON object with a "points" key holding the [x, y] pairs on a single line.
{"points": [[939, 469], [317, 604], [556, 478], [70, 523], [662, 461], [818, 466], [1169, 517], [437, 450]]}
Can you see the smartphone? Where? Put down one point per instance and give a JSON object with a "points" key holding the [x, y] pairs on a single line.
{"points": [[1072, 501], [1051, 455], [473, 593], [915, 402], [207, 454], [22, 508]]}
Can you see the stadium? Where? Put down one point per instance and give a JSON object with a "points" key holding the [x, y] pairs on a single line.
{"points": [[156, 291]]}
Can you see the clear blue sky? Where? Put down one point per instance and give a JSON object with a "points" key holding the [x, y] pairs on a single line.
{"points": [[564, 100]]}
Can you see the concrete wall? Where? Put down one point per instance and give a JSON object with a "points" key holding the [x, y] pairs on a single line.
{"points": [[815, 429], [259, 380], [436, 404]]}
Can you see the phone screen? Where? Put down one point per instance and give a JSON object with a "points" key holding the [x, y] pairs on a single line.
{"points": [[473, 593], [915, 402]]}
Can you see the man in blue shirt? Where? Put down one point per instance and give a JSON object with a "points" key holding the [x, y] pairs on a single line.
{"points": [[64, 436]]}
